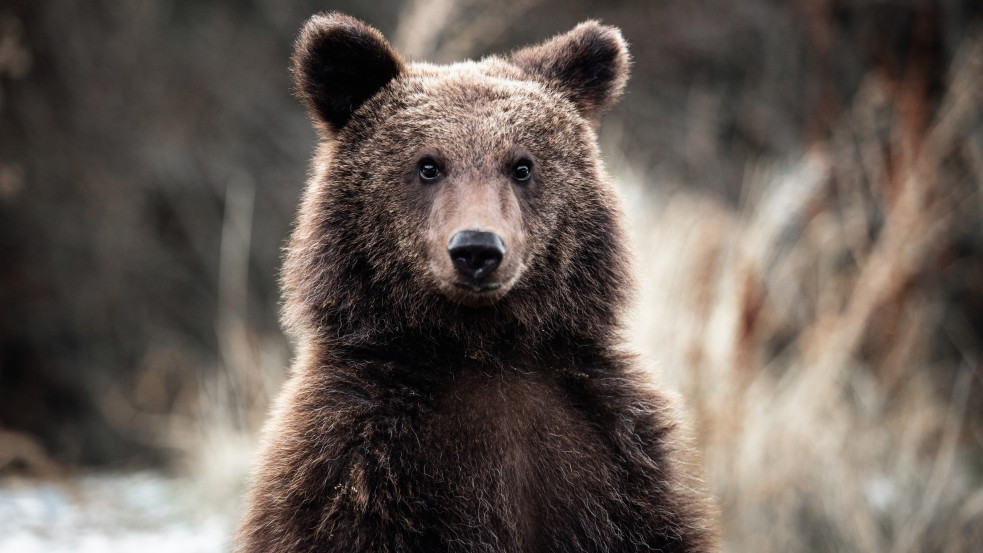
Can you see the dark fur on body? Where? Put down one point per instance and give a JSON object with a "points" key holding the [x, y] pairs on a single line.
{"points": [[417, 421]]}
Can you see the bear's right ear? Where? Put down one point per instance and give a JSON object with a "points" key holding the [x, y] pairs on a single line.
{"points": [[339, 63]]}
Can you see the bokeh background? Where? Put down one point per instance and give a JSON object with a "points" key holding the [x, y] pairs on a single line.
{"points": [[805, 185]]}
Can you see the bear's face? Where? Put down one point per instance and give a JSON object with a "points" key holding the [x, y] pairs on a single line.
{"points": [[477, 183], [469, 182]]}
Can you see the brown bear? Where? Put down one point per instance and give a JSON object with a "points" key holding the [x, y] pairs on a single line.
{"points": [[455, 284]]}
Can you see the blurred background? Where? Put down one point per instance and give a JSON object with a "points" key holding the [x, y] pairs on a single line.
{"points": [[804, 179]]}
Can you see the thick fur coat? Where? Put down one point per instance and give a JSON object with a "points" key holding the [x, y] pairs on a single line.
{"points": [[428, 411]]}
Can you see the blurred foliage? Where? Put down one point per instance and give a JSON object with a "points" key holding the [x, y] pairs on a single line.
{"points": [[152, 157]]}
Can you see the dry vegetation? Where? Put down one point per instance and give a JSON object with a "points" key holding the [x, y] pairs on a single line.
{"points": [[806, 189], [803, 328]]}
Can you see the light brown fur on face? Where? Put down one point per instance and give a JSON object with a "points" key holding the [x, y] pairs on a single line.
{"points": [[476, 133], [433, 411], [481, 200]]}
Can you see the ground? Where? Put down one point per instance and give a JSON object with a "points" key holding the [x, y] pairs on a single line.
{"points": [[143, 512]]}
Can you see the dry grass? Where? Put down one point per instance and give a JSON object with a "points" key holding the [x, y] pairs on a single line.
{"points": [[800, 328]]}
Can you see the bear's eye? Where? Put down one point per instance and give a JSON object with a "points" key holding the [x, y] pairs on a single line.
{"points": [[429, 170], [522, 170]]}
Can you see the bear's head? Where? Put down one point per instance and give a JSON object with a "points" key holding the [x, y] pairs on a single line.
{"points": [[462, 204]]}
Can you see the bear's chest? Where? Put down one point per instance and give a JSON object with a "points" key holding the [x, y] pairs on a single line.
{"points": [[516, 453]]}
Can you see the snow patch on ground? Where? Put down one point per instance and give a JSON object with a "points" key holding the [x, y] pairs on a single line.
{"points": [[141, 512]]}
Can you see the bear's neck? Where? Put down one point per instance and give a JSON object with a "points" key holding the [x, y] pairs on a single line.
{"points": [[359, 323], [433, 347]]}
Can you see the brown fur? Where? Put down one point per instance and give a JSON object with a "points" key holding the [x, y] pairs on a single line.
{"points": [[421, 416]]}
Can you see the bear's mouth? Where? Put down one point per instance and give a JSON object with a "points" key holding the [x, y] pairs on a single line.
{"points": [[479, 287], [473, 293]]}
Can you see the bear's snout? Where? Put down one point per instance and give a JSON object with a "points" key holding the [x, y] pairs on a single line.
{"points": [[475, 240], [476, 254]]}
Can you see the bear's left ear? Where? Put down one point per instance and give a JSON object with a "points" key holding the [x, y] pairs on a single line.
{"points": [[588, 64], [339, 63]]}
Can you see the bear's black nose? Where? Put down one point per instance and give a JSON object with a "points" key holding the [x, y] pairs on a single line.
{"points": [[476, 254]]}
